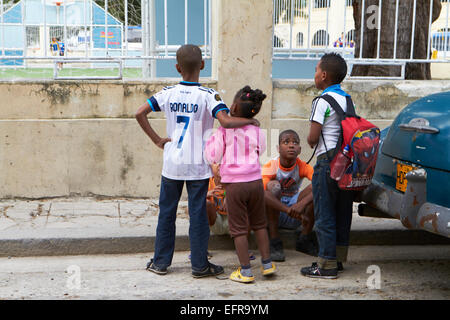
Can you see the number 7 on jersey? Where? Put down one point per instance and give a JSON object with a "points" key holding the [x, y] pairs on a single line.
{"points": [[185, 120]]}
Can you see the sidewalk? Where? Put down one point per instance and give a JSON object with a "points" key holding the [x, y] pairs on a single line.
{"points": [[75, 226]]}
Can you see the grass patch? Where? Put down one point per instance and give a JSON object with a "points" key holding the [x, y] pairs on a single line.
{"points": [[47, 73]]}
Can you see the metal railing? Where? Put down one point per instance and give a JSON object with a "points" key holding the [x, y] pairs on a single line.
{"points": [[306, 29], [102, 30]]}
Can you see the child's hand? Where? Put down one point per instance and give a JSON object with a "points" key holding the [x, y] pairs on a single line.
{"points": [[162, 142], [296, 210], [218, 189], [255, 122], [214, 192], [293, 214]]}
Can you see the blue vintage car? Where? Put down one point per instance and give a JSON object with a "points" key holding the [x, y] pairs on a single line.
{"points": [[412, 175]]}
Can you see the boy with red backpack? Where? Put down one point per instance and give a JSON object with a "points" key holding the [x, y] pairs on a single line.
{"points": [[339, 136]]}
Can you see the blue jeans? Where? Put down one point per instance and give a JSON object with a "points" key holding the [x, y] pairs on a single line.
{"points": [[198, 227], [333, 210], [284, 221]]}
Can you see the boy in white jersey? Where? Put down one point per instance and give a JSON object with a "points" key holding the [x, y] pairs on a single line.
{"points": [[190, 111]]}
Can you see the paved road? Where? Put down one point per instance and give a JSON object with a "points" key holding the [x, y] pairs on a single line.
{"points": [[406, 272]]}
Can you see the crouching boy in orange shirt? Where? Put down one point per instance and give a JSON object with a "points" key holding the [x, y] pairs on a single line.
{"points": [[286, 206]]}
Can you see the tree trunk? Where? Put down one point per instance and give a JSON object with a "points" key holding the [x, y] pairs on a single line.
{"points": [[387, 34]]}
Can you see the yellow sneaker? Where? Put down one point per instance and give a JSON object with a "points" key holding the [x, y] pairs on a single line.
{"points": [[270, 271], [237, 276]]}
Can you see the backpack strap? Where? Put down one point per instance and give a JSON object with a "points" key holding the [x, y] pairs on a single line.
{"points": [[350, 108], [342, 115], [335, 105], [337, 108]]}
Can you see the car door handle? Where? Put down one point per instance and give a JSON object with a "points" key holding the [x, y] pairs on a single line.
{"points": [[419, 125]]}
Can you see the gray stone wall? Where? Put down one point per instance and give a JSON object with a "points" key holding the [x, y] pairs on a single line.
{"points": [[81, 138]]}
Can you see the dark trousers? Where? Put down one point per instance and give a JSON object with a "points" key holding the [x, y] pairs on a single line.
{"points": [[333, 209], [198, 225]]}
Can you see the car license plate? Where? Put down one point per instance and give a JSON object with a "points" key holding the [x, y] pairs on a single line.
{"points": [[402, 170]]}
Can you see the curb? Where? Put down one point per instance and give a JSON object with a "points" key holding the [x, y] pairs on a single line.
{"points": [[144, 244]]}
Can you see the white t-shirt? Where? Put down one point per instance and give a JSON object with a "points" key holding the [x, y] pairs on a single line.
{"points": [[323, 113], [190, 111]]}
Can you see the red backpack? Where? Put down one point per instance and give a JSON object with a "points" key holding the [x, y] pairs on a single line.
{"points": [[362, 139]]}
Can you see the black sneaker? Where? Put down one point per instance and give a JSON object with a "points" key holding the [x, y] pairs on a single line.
{"points": [[340, 267], [276, 250], [315, 272], [211, 270], [153, 268], [307, 244]]}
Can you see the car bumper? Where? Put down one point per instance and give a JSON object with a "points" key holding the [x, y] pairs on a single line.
{"points": [[411, 207]]}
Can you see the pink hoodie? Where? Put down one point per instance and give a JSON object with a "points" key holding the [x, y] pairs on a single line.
{"points": [[237, 151]]}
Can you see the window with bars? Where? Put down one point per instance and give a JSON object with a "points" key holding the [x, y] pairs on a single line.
{"points": [[321, 38], [56, 32], [76, 37], [318, 4], [277, 43], [350, 36], [299, 39], [33, 37]]}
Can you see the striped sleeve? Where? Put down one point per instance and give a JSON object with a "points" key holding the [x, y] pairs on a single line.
{"points": [[158, 101], [154, 104], [218, 108]]}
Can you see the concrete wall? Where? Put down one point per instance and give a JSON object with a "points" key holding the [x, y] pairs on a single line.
{"points": [[374, 99], [71, 138], [77, 138]]}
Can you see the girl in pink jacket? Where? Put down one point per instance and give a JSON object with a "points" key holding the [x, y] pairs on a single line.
{"points": [[237, 151]]}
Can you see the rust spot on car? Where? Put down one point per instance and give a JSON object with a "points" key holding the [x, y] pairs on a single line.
{"points": [[407, 223], [415, 202], [430, 218]]}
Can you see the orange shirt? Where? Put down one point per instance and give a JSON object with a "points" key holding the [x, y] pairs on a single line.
{"points": [[290, 178], [218, 198]]}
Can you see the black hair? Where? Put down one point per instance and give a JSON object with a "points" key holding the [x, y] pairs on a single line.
{"points": [[249, 101], [335, 66], [189, 57], [288, 131]]}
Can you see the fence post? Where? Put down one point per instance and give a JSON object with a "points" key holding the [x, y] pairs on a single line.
{"points": [[148, 37], [152, 27]]}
